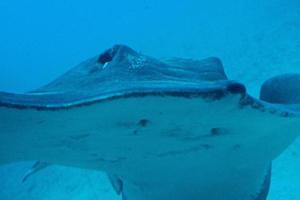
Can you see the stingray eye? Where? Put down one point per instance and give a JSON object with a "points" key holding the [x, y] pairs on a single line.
{"points": [[106, 57]]}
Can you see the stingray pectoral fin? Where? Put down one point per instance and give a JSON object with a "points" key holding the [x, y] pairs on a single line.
{"points": [[116, 183], [142, 137], [106, 132], [265, 188]]}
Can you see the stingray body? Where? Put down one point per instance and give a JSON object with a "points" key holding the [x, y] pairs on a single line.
{"points": [[162, 129]]}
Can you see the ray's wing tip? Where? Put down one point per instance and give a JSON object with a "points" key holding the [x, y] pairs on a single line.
{"points": [[283, 91]]}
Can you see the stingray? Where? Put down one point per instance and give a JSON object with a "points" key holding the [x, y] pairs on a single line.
{"points": [[160, 128]]}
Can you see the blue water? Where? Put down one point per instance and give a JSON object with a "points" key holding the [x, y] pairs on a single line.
{"points": [[39, 40]]}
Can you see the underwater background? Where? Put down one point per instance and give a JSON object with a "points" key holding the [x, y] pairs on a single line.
{"points": [[40, 40]]}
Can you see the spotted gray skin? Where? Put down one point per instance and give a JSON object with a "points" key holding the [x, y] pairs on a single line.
{"points": [[161, 129]]}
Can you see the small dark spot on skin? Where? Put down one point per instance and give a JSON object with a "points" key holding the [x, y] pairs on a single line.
{"points": [[135, 132], [216, 131], [143, 122], [41, 122]]}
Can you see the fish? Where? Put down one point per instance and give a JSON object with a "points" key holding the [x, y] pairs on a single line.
{"points": [[171, 128]]}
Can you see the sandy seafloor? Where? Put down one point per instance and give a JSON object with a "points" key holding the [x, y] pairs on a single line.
{"points": [[263, 48]]}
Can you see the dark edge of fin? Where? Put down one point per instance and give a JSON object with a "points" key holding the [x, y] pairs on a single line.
{"points": [[116, 183], [263, 194], [216, 92], [35, 168]]}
